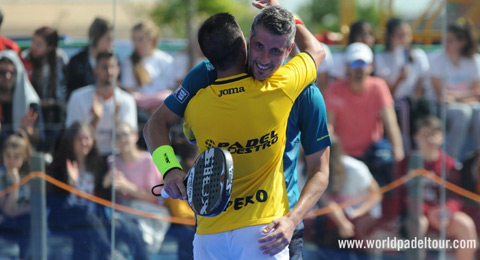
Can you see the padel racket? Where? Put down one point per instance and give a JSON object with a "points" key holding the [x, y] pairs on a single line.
{"points": [[208, 182]]}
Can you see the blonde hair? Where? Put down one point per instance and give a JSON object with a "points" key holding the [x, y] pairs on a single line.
{"points": [[19, 142], [151, 30]]}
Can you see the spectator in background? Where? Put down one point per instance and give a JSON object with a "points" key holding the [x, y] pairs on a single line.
{"points": [[18, 99], [358, 111], [45, 64], [460, 226], [15, 206], [458, 69], [135, 174], [405, 69], [5, 43], [80, 68], [77, 163], [181, 63], [325, 70], [351, 179], [96, 104], [148, 74], [360, 31]]}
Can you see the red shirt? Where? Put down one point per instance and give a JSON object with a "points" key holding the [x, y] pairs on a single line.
{"points": [[6, 43], [357, 114]]}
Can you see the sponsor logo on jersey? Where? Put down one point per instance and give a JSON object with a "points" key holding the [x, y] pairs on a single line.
{"points": [[181, 94], [250, 146], [230, 91], [260, 196]]}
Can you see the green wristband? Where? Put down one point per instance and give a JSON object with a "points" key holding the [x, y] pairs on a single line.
{"points": [[165, 159]]}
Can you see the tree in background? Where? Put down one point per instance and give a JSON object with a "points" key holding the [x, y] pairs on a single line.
{"points": [[172, 16], [324, 15]]}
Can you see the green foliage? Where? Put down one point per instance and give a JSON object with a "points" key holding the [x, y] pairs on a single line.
{"points": [[369, 12], [321, 15], [324, 15], [171, 15]]}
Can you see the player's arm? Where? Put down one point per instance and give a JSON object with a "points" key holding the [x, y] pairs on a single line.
{"points": [[315, 186], [317, 181], [156, 134]]}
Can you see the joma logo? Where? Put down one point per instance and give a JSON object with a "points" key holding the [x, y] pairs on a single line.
{"points": [[230, 91]]}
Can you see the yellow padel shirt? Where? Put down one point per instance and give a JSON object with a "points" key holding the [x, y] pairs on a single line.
{"points": [[249, 117]]}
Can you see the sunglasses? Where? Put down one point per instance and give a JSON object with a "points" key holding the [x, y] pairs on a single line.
{"points": [[358, 64]]}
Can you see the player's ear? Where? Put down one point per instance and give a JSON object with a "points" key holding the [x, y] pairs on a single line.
{"points": [[289, 50]]}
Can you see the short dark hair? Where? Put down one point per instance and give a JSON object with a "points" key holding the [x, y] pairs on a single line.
{"points": [[104, 55], [432, 122], [221, 39], [275, 20], [97, 29], [463, 31]]}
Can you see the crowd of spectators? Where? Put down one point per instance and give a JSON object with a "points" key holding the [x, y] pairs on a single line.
{"points": [[381, 106]]}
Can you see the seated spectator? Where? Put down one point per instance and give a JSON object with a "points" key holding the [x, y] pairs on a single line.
{"points": [[405, 69], [19, 101], [78, 163], [15, 206], [102, 104], [135, 174], [458, 69], [80, 68], [359, 109], [148, 73], [5, 43], [460, 226], [45, 64], [360, 31], [351, 179]]}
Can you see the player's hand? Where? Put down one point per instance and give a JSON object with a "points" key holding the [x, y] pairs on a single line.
{"points": [[261, 4], [174, 186], [278, 236]]}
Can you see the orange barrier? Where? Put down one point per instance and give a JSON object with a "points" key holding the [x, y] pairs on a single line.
{"points": [[326, 210], [95, 199]]}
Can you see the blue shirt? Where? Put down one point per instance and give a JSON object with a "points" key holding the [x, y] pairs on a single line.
{"points": [[307, 123]]}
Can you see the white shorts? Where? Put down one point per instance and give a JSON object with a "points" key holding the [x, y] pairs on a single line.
{"points": [[238, 244]]}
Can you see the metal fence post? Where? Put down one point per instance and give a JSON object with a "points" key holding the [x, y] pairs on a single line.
{"points": [[38, 204], [415, 205]]}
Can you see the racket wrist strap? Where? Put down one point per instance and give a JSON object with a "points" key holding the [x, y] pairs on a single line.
{"points": [[165, 160]]}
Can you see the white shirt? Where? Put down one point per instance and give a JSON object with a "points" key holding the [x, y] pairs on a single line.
{"points": [[79, 109], [389, 65], [160, 68], [456, 77], [357, 181], [327, 64]]}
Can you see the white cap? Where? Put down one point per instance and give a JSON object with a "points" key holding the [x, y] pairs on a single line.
{"points": [[358, 51]]}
